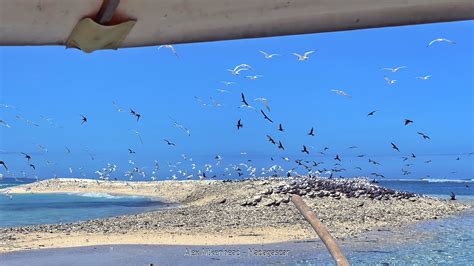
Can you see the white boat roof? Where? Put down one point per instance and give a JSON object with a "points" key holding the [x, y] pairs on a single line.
{"points": [[50, 22]]}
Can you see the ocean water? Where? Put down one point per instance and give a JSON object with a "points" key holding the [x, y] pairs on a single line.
{"points": [[30, 209]]}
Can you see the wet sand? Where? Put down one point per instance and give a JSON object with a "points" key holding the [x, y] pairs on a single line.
{"points": [[220, 213]]}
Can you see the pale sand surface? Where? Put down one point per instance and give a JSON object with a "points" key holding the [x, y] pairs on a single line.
{"points": [[204, 218]]}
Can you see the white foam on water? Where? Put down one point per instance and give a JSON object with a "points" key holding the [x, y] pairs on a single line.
{"points": [[101, 195]]}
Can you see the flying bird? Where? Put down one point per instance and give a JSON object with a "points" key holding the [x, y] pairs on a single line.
{"points": [[393, 69], [371, 113], [389, 81], [33, 166], [342, 93], [337, 158], [439, 40], [423, 135], [280, 128], [311, 132], [28, 157], [271, 139], [169, 46], [265, 116], [169, 142], [227, 83], [303, 57], [239, 124], [4, 165], [84, 119], [5, 124], [305, 150], [244, 101], [254, 77], [134, 113], [267, 55], [280, 145], [394, 147], [424, 77], [131, 151], [408, 121]]}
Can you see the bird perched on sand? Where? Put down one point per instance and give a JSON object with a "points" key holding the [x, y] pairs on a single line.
{"points": [[389, 81], [169, 46], [303, 57], [4, 165], [84, 120], [342, 93], [393, 69], [423, 135], [267, 55], [239, 124], [407, 122], [424, 77], [394, 147], [439, 40]]}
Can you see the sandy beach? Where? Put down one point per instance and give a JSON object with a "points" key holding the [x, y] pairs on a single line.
{"points": [[226, 213]]}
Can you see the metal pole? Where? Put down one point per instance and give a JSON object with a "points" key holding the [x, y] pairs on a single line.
{"points": [[321, 230]]}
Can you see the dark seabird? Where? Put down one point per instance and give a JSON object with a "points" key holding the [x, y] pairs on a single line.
{"points": [[265, 116], [280, 128], [4, 165], [84, 119], [413, 155], [423, 135], [169, 142], [239, 125], [394, 147], [371, 113], [453, 196], [131, 151], [311, 132], [408, 121], [33, 166], [305, 150], [280, 145], [134, 113], [271, 139], [337, 158], [28, 157], [244, 101]]}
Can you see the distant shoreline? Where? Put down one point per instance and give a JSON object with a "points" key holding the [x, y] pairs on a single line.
{"points": [[225, 213]]}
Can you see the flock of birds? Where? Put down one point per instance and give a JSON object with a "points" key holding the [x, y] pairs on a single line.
{"points": [[188, 169]]}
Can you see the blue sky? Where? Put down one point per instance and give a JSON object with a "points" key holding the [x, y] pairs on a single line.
{"points": [[63, 83]]}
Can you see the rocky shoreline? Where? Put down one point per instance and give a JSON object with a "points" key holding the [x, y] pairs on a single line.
{"points": [[250, 211]]}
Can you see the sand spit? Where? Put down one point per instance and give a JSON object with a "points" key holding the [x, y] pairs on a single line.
{"points": [[220, 213]]}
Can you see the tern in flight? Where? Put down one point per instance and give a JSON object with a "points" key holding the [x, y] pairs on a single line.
{"points": [[267, 55], [407, 122], [169, 46], [227, 83], [311, 132], [255, 77], [393, 69], [303, 57], [439, 40], [372, 113], [389, 81], [342, 93], [424, 77], [264, 101]]}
